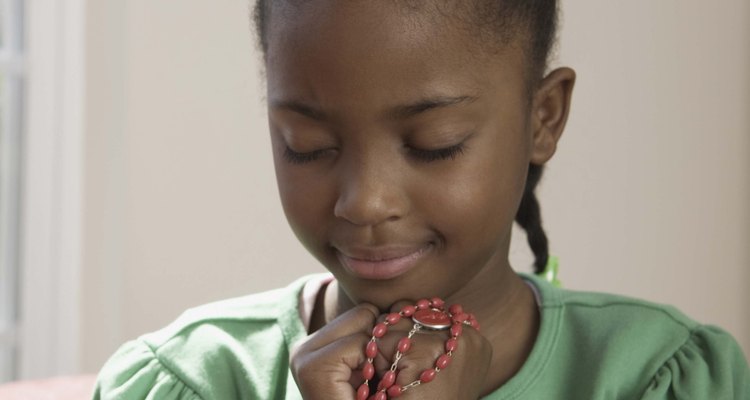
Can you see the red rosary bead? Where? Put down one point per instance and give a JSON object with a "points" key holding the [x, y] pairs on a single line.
{"points": [[451, 344], [389, 378], [456, 309], [393, 318], [437, 302], [456, 330], [407, 311], [363, 392], [379, 330], [394, 391], [404, 345], [380, 396], [423, 304], [461, 317], [427, 375], [371, 350], [368, 371], [443, 361]]}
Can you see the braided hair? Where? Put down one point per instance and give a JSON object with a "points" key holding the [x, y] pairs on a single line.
{"points": [[534, 21], [529, 217]]}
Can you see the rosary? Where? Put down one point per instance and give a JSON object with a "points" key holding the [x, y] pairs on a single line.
{"points": [[426, 315]]}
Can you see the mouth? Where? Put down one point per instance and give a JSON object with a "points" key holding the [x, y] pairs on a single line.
{"points": [[382, 263]]}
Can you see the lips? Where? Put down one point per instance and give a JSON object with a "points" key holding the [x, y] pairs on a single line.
{"points": [[381, 263]]}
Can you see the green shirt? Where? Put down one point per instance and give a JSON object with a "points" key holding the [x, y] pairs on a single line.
{"points": [[589, 346]]}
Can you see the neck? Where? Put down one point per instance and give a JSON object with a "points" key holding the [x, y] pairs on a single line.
{"points": [[506, 308]]}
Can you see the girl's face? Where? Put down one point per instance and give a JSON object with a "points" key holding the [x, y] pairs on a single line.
{"points": [[401, 147]]}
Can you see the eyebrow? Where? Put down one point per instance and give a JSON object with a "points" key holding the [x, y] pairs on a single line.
{"points": [[403, 111], [300, 108], [421, 106]]}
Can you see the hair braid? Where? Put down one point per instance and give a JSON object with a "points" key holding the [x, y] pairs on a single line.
{"points": [[529, 217]]}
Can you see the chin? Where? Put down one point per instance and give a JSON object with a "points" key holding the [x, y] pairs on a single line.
{"points": [[384, 294], [380, 297]]}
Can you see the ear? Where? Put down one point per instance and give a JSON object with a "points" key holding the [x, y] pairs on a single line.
{"points": [[549, 113]]}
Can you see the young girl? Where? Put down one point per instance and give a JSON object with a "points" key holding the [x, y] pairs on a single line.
{"points": [[408, 136]]}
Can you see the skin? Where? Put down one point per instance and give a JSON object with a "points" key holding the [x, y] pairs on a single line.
{"points": [[353, 88]]}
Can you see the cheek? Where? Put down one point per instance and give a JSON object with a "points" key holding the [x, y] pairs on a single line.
{"points": [[306, 200], [476, 203]]}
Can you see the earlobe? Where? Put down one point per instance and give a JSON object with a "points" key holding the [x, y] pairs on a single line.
{"points": [[550, 109]]}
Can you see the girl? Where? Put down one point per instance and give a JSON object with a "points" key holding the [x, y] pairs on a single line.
{"points": [[408, 136]]}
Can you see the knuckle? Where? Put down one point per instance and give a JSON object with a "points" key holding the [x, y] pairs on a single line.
{"points": [[424, 352], [300, 359], [473, 337], [366, 312], [299, 348], [371, 308], [296, 355], [296, 364]]}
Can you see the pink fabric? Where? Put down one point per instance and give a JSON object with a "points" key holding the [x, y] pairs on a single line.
{"points": [[308, 296], [63, 388]]}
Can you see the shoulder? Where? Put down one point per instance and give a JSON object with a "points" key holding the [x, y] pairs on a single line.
{"points": [[621, 318], [591, 317], [217, 350], [710, 364], [634, 346]]}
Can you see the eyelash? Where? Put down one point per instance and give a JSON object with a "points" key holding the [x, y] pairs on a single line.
{"points": [[302, 158], [447, 153]]}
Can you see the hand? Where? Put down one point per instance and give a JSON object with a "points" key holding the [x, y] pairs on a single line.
{"points": [[464, 378], [326, 365]]}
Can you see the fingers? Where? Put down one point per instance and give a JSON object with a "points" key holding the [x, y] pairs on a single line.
{"points": [[360, 319], [469, 362], [331, 360], [347, 350], [327, 365], [332, 371]]}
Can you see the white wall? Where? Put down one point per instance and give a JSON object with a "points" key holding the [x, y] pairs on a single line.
{"points": [[182, 205], [648, 195]]}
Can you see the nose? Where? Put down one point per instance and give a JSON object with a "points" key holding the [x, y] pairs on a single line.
{"points": [[370, 193]]}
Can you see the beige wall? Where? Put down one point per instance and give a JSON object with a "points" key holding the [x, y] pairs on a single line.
{"points": [[648, 195]]}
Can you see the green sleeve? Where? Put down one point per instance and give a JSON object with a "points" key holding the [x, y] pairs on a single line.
{"points": [[710, 365], [232, 349], [134, 372]]}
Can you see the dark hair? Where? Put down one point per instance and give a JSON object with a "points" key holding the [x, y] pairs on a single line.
{"points": [[535, 22]]}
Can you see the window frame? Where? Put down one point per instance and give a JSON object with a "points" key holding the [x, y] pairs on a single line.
{"points": [[52, 201], [12, 79]]}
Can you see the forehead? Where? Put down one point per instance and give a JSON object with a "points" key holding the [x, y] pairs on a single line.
{"points": [[380, 52]]}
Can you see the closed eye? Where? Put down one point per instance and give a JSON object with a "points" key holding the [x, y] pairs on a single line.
{"points": [[295, 157], [447, 153]]}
